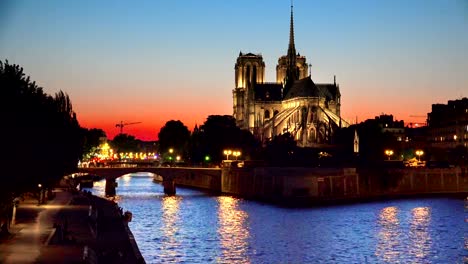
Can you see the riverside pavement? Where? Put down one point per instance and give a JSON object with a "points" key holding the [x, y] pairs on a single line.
{"points": [[34, 225], [61, 231]]}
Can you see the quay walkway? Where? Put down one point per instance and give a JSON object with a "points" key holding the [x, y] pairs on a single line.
{"points": [[62, 231]]}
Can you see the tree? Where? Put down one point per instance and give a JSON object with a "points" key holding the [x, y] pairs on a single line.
{"points": [[280, 151], [41, 136], [220, 132], [92, 139], [125, 143], [174, 135]]}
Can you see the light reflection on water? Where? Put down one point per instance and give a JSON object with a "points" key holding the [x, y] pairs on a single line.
{"points": [[193, 227], [388, 247], [420, 239], [170, 226], [233, 232]]}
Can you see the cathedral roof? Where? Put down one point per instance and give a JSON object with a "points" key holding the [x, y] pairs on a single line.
{"points": [[307, 88], [331, 89], [268, 92], [303, 88]]}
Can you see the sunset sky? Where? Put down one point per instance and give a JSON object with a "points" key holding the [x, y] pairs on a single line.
{"points": [[153, 61]]}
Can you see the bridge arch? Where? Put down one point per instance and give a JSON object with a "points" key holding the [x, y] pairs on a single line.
{"points": [[203, 178]]}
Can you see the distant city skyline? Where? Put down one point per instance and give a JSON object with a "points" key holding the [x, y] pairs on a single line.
{"points": [[156, 61]]}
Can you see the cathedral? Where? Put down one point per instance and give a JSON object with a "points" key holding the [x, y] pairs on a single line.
{"points": [[294, 103]]}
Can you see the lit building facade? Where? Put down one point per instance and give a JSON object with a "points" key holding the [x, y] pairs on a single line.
{"points": [[448, 124], [294, 103]]}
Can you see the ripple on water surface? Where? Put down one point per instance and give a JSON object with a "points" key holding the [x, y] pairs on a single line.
{"points": [[193, 227]]}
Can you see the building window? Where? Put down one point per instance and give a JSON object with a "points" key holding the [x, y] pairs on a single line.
{"points": [[267, 114]]}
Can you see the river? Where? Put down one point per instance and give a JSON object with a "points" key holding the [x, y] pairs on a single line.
{"points": [[193, 227]]}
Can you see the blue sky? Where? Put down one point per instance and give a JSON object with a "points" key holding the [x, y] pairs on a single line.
{"points": [[152, 61]]}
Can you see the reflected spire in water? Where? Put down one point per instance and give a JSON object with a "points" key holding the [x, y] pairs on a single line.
{"points": [[233, 231]]}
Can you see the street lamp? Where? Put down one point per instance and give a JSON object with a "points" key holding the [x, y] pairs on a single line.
{"points": [[389, 153], [227, 153], [236, 154], [40, 193], [171, 150], [419, 153]]}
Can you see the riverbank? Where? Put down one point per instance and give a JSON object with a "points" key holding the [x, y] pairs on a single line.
{"points": [[75, 227]]}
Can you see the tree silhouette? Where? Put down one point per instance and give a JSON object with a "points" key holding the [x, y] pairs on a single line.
{"points": [[125, 143], [42, 140], [174, 135], [280, 151], [92, 139], [220, 132]]}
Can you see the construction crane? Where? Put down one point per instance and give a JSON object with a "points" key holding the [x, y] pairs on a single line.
{"points": [[122, 124], [418, 117]]}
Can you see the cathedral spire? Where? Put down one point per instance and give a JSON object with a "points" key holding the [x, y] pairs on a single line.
{"points": [[292, 73], [291, 47]]}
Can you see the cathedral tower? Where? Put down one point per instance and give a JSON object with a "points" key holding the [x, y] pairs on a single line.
{"points": [[249, 70]]}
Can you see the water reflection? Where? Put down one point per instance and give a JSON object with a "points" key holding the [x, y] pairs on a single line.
{"points": [[170, 226], [126, 179], [197, 228], [388, 246], [419, 236], [233, 231]]}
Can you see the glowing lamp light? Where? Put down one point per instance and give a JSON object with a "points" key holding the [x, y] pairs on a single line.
{"points": [[236, 154], [389, 153], [227, 152], [419, 153], [207, 158]]}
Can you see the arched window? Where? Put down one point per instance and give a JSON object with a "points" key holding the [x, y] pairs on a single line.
{"points": [[267, 114], [275, 112]]}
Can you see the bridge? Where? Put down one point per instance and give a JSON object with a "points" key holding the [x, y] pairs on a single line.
{"points": [[292, 184], [203, 178]]}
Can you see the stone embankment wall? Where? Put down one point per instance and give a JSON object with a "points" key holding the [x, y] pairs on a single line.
{"points": [[321, 184], [274, 183], [114, 239], [412, 181], [100, 227], [207, 179], [270, 183]]}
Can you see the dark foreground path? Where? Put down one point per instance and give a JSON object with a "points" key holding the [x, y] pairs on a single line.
{"points": [[66, 230]]}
